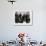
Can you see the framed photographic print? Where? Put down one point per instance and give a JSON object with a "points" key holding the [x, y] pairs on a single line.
{"points": [[23, 17]]}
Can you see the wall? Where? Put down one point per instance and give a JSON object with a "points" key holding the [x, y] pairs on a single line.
{"points": [[9, 31]]}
